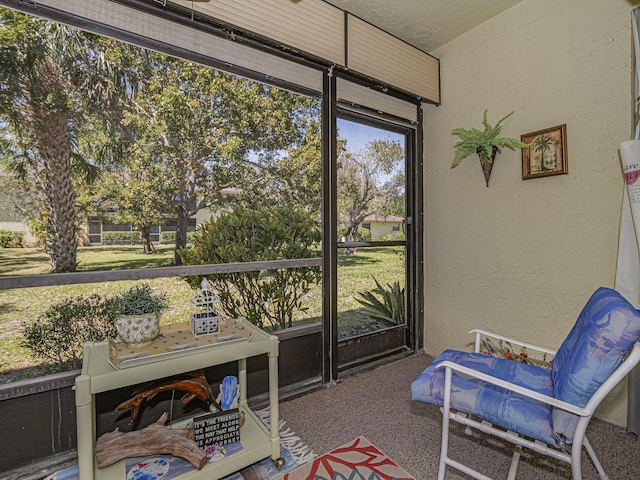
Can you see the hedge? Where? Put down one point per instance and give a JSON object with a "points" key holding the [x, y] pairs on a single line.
{"points": [[11, 239], [120, 238], [169, 238]]}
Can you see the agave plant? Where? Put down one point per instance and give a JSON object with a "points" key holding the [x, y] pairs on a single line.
{"points": [[485, 143], [389, 309]]}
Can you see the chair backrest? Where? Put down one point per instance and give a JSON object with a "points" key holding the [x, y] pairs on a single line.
{"points": [[605, 331]]}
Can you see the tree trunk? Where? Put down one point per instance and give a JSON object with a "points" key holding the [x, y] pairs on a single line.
{"points": [[181, 234], [146, 239], [62, 242], [53, 140], [352, 233]]}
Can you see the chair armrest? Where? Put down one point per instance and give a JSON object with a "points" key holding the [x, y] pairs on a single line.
{"points": [[529, 346], [516, 388]]}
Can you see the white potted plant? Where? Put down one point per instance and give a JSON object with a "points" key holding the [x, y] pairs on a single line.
{"points": [[139, 311]]}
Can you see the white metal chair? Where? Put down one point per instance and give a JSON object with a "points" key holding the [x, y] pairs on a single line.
{"points": [[545, 410]]}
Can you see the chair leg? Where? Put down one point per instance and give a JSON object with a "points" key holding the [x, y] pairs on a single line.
{"points": [[576, 460], [444, 446], [515, 460], [445, 424], [579, 440], [594, 459]]}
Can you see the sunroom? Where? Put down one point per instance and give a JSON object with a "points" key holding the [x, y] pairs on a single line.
{"points": [[301, 107]]}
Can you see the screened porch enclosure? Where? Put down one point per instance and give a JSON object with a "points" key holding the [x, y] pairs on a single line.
{"points": [[288, 156]]}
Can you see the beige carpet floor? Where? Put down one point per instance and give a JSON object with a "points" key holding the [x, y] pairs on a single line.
{"points": [[378, 405]]}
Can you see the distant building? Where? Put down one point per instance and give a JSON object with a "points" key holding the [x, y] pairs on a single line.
{"points": [[383, 226], [100, 230]]}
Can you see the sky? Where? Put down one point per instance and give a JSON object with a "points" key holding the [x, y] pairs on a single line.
{"points": [[357, 134]]}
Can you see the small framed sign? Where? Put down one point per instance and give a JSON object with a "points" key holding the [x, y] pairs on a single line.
{"points": [[222, 428], [547, 153]]}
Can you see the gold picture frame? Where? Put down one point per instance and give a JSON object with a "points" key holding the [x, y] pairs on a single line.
{"points": [[547, 153]]}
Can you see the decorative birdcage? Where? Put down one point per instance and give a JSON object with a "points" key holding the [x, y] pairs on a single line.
{"points": [[205, 311]]}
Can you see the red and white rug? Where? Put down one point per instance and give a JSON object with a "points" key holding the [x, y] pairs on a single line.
{"points": [[359, 459]]}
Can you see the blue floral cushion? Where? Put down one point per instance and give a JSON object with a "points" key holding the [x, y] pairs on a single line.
{"points": [[605, 331], [486, 401]]}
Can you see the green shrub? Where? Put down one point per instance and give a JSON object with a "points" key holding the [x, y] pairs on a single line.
{"points": [[11, 239], [267, 298], [169, 238], [362, 235], [120, 238], [392, 236], [389, 309], [38, 229], [57, 336]]}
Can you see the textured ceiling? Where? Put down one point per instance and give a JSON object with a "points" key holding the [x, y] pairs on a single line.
{"points": [[426, 24]]}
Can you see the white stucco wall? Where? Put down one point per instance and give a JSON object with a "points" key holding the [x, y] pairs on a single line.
{"points": [[522, 257]]}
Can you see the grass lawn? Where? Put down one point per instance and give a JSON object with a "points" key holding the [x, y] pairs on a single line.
{"points": [[355, 274], [27, 304]]}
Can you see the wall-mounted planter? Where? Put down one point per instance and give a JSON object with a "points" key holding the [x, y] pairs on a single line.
{"points": [[486, 162], [485, 143]]}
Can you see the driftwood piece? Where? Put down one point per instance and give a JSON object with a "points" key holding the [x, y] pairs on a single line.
{"points": [[194, 383], [155, 439]]}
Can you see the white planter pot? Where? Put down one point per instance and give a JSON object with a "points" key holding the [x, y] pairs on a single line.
{"points": [[138, 331]]}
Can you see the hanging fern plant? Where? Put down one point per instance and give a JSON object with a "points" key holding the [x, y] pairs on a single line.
{"points": [[485, 143]]}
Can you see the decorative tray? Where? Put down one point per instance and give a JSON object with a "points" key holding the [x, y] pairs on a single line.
{"points": [[174, 341]]}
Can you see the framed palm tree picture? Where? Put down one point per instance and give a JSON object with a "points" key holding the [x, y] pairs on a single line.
{"points": [[547, 153]]}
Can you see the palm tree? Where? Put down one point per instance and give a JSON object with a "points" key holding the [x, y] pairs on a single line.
{"points": [[542, 144], [46, 79]]}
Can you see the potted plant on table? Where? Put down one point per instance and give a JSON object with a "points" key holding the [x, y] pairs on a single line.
{"points": [[483, 142], [139, 311]]}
